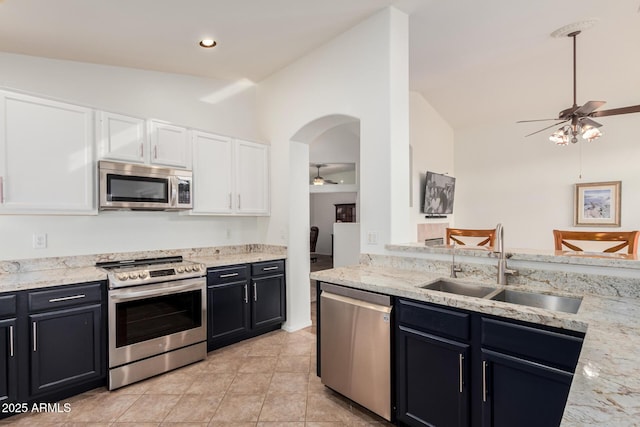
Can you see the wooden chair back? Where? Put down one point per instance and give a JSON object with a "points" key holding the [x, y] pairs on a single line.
{"points": [[487, 236], [620, 240]]}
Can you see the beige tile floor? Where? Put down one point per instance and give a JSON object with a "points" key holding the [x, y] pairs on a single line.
{"points": [[265, 381]]}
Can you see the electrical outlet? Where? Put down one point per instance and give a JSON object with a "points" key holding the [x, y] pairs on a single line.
{"points": [[372, 238], [39, 240]]}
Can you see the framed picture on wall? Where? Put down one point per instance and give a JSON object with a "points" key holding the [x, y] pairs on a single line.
{"points": [[598, 203]]}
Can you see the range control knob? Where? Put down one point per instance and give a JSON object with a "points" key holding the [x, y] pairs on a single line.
{"points": [[133, 275], [180, 269], [143, 274], [122, 276], [188, 268]]}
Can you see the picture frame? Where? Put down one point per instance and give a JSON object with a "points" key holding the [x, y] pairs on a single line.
{"points": [[598, 203]]}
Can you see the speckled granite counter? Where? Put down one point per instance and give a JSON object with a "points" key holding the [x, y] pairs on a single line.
{"points": [[24, 274], [606, 385]]}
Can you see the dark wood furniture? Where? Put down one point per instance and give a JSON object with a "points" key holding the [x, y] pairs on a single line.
{"points": [[626, 239], [453, 234], [345, 212]]}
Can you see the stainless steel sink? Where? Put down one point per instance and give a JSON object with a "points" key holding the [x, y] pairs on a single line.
{"points": [[549, 302], [459, 288]]}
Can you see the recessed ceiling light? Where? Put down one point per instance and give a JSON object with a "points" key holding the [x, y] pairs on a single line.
{"points": [[208, 43]]}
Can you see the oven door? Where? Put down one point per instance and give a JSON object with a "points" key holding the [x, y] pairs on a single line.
{"points": [[153, 319]]}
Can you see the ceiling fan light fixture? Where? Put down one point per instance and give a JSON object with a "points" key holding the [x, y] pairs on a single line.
{"points": [[590, 133], [559, 137], [318, 180]]}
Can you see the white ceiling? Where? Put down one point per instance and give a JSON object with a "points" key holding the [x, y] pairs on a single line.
{"points": [[475, 61]]}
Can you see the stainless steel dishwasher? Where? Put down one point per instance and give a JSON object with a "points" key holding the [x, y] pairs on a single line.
{"points": [[355, 346]]}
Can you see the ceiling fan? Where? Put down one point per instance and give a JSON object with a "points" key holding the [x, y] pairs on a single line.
{"points": [[318, 180], [577, 120]]}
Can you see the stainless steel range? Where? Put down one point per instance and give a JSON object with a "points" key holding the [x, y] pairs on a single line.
{"points": [[157, 317]]}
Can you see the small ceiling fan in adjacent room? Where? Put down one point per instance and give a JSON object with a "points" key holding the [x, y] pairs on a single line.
{"points": [[318, 180], [577, 120]]}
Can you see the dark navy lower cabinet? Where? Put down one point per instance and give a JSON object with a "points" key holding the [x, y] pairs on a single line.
{"points": [[460, 368], [244, 301], [53, 344], [432, 379], [66, 348], [518, 392], [8, 349]]}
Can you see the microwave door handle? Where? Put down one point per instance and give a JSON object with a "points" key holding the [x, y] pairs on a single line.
{"points": [[173, 191]]}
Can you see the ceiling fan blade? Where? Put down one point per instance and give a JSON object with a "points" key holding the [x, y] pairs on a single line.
{"points": [[548, 127], [587, 121], [589, 107], [616, 111], [537, 120]]}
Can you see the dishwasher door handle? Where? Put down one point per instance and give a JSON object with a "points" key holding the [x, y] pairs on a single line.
{"points": [[356, 302]]}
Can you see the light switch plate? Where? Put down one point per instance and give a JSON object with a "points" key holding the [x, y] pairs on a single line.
{"points": [[39, 240]]}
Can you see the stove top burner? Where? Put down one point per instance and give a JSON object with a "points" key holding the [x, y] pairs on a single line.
{"points": [[151, 270]]}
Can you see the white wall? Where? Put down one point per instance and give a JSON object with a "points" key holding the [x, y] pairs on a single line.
{"points": [[432, 141], [323, 215], [351, 75], [183, 100], [528, 183]]}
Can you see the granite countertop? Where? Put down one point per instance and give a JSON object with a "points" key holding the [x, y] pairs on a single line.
{"points": [[66, 273], [596, 259], [606, 385]]}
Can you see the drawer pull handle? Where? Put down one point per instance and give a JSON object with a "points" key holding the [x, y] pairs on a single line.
{"points": [[11, 341], [224, 276], [72, 297], [484, 381], [255, 292], [270, 268], [246, 294], [35, 337], [460, 360]]}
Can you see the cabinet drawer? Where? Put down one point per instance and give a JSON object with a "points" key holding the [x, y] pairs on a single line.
{"points": [[268, 267], [538, 345], [65, 296], [227, 274], [7, 305], [441, 321]]}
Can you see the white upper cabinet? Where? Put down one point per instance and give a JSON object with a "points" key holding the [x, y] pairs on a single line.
{"points": [[212, 174], [169, 145], [47, 157], [252, 178], [121, 137], [135, 140], [230, 177]]}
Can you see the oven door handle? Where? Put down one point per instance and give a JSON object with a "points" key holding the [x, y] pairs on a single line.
{"points": [[128, 296]]}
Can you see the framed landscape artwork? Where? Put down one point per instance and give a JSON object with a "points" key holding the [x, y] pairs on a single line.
{"points": [[598, 203]]}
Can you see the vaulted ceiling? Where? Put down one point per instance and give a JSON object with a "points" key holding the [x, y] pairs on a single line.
{"points": [[475, 62]]}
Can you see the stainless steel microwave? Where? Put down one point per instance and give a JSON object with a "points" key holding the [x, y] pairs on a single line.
{"points": [[142, 187]]}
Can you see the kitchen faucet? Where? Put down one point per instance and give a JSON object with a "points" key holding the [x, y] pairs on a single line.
{"points": [[454, 269], [502, 257]]}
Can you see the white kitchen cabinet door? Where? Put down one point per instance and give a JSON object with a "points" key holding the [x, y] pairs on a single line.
{"points": [[47, 163], [252, 178], [169, 145], [121, 137], [212, 174]]}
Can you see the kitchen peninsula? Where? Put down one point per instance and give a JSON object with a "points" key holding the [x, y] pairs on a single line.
{"points": [[605, 389]]}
